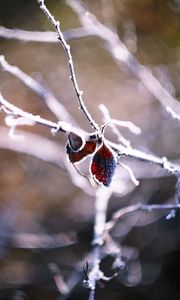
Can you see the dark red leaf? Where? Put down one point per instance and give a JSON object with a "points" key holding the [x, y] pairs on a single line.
{"points": [[103, 165], [76, 156], [75, 141]]}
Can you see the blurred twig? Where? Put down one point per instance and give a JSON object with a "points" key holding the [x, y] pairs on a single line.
{"points": [[42, 36], [53, 104], [47, 150], [139, 206], [42, 241], [58, 279], [10, 212], [122, 55]]}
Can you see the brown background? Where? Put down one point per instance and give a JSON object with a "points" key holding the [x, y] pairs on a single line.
{"points": [[41, 198]]}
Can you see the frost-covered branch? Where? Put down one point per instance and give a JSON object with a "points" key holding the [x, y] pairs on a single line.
{"points": [[161, 161], [112, 124], [13, 110], [20, 114], [67, 50]]}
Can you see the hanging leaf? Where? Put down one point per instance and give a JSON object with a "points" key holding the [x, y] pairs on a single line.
{"points": [[103, 165], [76, 143], [76, 156]]}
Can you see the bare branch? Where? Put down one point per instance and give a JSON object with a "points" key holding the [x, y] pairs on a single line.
{"points": [[122, 55], [108, 121], [132, 152], [143, 207], [131, 174], [58, 279], [67, 50], [42, 36], [13, 110], [102, 198], [44, 149], [115, 130], [53, 104], [44, 241]]}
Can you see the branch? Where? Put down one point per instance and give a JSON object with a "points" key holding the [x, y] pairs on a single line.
{"points": [[122, 55], [59, 110], [142, 207], [163, 162], [126, 57], [53, 104], [102, 198], [13, 110], [121, 139], [108, 121], [67, 50], [42, 241], [58, 279], [173, 114], [42, 36]]}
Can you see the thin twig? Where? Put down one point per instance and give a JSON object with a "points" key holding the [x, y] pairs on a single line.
{"points": [[173, 114], [131, 174], [121, 139], [58, 279], [142, 207], [108, 121], [53, 104], [67, 50], [161, 161]]}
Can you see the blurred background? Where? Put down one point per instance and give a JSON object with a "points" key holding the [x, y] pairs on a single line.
{"points": [[46, 218]]}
